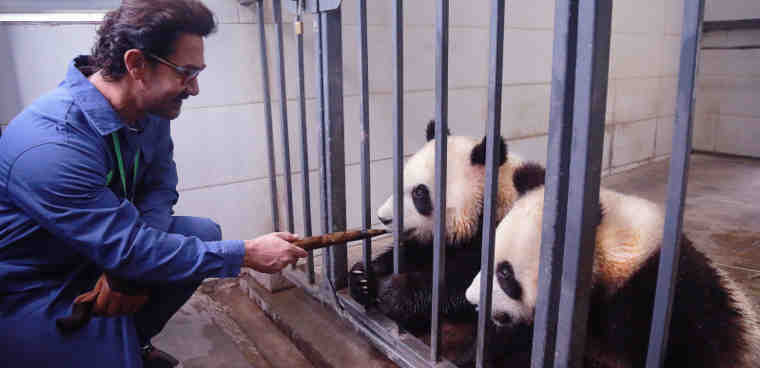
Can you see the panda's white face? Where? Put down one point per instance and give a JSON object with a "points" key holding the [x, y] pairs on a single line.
{"points": [[516, 255], [629, 233], [464, 189]]}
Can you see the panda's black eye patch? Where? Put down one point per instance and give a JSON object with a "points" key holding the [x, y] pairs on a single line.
{"points": [[505, 275], [421, 199]]}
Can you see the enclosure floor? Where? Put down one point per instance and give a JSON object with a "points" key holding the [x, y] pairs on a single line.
{"points": [[722, 217]]}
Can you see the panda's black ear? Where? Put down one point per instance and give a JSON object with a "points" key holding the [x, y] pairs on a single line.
{"points": [[478, 155], [528, 176], [430, 130]]}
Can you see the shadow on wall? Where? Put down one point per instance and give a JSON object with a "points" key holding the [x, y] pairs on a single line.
{"points": [[10, 103]]}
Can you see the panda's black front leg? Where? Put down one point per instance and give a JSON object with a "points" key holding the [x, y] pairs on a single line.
{"points": [[406, 298], [362, 283]]}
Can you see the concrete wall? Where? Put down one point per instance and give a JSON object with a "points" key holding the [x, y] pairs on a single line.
{"points": [[220, 141], [731, 9], [728, 114]]}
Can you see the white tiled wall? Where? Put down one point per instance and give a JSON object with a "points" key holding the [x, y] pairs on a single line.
{"points": [[220, 141], [728, 114]]}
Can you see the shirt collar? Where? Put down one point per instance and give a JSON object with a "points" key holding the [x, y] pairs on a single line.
{"points": [[93, 104]]}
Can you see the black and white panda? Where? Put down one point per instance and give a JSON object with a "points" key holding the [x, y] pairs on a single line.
{"points": [[713, 324], [406, 297]]}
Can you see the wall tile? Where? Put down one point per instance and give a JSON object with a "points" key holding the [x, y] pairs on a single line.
{"points": [[242, 209], [643, 16], [739, 96], [738, 135], [673, 16], [233, 73], [42, 68], [468, 57], [633, 142], [533, 62], [672, 56], [525, 110], [636, 55], [666, 104], [225, 11], [530, 14], [730, 62], [530, 149], [664, 140], [705, 126], [232, 140], [731, 10], [636, 99]]}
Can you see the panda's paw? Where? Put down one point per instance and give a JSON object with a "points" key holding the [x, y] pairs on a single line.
{"points": [[362, 285]]}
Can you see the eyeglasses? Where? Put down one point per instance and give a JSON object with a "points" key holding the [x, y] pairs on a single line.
{"points": [[188, 73]]}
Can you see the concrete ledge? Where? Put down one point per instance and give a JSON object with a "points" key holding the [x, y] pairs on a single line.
{"points": [[317, 331]]}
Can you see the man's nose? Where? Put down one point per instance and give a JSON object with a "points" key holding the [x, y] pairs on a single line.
{"points": [[192, 87]]}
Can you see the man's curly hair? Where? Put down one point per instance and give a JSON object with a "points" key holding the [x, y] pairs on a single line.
{"points": [[148, 25]]}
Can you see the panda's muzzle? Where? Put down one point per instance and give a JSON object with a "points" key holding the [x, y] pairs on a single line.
{"points": [[385, 220]]}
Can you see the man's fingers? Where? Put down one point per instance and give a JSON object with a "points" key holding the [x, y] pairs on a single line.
{"points": [[284, 235], [299, 252]]}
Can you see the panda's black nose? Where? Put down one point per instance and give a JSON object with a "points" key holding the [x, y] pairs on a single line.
{"points": [[385, 220]]}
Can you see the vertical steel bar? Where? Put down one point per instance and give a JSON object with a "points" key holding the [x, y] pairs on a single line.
{"points": [[277, 14], [496, 70], [441, 141], [332, 87], [398, 135], [364, 118], [323, 176], [557, 174], [268, 115], [594, 21], [306, 191], [677, 182]]}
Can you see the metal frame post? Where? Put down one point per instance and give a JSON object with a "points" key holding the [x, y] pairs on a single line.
{"points": [[593, 51], [493, 132], [398, 136], [277, 15], [334, 163], [556, 188], [441, 141], [268, 116], [677, 181]]}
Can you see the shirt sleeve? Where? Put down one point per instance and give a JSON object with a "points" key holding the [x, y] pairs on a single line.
{"points": [[62, 187], [157, 193]]}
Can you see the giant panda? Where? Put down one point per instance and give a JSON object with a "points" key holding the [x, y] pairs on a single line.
{"points": [[713, 324], [406, 297]]}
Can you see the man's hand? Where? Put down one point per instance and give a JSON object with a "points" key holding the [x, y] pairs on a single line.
{"points": [[272, 252], [110, 303]]}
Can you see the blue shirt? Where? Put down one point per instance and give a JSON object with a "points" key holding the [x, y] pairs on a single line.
{"points": [[62, 225]]}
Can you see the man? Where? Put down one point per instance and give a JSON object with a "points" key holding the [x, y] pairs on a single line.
{"points": [[87, 185]]}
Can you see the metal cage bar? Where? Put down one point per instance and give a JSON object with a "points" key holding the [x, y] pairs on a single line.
{"points": [[306, 191], [398, 137], [594, 23], [336, 257], [277, 15], [268, 115], [496, 71], [364, 119], [555, 190], [677, 181], [441, 141]]}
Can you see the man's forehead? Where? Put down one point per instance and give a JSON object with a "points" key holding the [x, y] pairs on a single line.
{"points": [[188, 50]]}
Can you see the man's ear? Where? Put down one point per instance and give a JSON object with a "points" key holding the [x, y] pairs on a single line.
{"points": [[135, 63]]}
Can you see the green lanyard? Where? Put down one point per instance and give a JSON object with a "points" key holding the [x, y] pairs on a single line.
{"points": [[117, 149]]}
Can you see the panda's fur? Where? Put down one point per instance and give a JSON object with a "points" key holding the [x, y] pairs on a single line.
{"points": [[406, 297], [713, 324]]}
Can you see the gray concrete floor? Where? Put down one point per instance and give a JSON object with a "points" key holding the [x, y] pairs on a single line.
{"points": [[722, 218]]}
